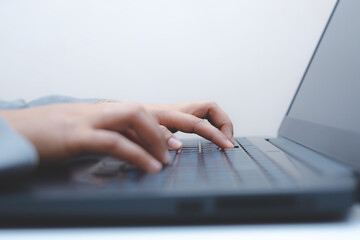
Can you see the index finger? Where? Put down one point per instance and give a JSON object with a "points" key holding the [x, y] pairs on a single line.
{"points": [[216, 116], [191, 124]]}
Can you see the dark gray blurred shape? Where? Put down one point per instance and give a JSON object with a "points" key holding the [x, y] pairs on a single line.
{"points": [[325, 113]]}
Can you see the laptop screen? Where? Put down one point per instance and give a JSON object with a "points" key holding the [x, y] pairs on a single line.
{"points": [[325, 112]]}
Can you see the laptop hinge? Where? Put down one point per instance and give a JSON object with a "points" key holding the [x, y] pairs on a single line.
{"points": [[311, 158]]}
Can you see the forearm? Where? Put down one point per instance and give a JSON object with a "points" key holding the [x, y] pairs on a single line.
{"points": [[17, 153]]}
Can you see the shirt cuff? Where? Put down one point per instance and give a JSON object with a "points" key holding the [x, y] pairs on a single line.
{"points": [[54, 99], [17, 154]]}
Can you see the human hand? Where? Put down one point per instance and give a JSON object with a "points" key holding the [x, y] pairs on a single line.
{"points": [[206, 119], [68, 130], [124, 130]]}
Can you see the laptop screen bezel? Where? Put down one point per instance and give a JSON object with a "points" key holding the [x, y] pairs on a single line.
{"points": [[332, 142]]}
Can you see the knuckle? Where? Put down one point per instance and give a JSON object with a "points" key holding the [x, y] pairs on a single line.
{"points": [[159, 136], [135, 109], [109, 144], [73, 146], [165, 132], [107, 108], [137, 155], [229, 124], [212, 104], [163, 129], [211, 137], [199, 123]]}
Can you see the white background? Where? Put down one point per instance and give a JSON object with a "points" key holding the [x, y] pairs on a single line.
{"points": [[248, 56]]}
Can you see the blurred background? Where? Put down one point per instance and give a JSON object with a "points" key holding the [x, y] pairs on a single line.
{"points": [[248, 55]]}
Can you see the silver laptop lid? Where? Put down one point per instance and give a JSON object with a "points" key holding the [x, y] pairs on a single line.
{"points": [[325, 112]]}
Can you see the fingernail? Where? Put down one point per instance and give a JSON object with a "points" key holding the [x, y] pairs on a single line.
{"points": [[229, 144], [174, 144], [155, 166]]}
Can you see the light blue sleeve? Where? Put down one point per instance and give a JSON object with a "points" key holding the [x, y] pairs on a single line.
{"points": [[60, 99], [17, 154], [53, 99]]}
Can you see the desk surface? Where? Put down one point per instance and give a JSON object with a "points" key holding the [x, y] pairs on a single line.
{"points": [[346, 230]]}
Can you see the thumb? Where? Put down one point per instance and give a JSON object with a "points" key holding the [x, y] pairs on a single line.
{"points": [[173, 142]]}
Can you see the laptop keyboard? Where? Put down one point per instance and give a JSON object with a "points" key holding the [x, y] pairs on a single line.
{"points": [[200, 165]]}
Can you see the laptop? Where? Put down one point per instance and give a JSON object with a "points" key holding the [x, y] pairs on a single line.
{"points": [[309, 171]]}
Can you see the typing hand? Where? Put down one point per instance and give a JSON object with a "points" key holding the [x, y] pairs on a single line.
{"points": [[206, 119], [67, 130], [127, 131]]}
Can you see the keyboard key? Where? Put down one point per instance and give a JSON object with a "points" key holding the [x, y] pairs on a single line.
{"points": [[201, 165]]}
